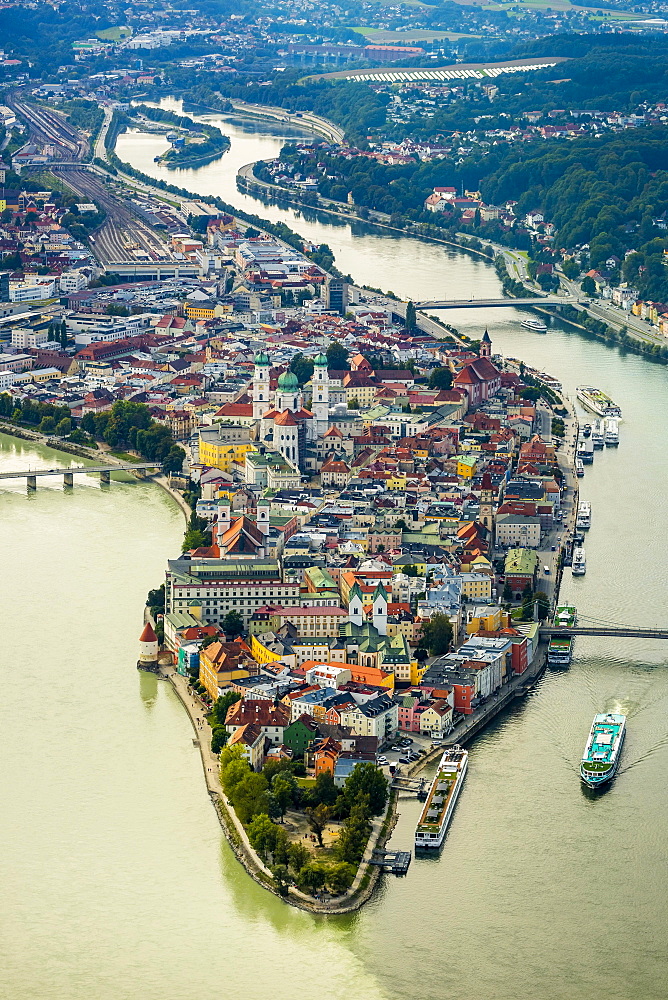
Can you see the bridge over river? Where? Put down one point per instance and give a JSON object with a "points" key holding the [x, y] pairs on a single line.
{"points": [[543, 300], [141, 469], [619, 631]]}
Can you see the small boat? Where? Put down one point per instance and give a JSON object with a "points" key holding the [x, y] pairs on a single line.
{"points": [[579, 468], [586, 430], [579, 565], [600, 759], [536, 325], [598, 402], [597, 434]]}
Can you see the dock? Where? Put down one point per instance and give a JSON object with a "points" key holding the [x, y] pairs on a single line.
{"points": [[393, 862]]}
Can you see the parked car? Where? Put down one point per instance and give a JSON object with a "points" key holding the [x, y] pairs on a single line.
{"points": [[404, 760], [397, 747], [382, 760]]}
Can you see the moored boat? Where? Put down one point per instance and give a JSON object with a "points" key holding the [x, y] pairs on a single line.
{"points": [[579, 564], [611, 432], [560, 648], [600, 759], [579, 468], [598, 402], [597, 434], [442, 797], [534, 324], [583, 519]]}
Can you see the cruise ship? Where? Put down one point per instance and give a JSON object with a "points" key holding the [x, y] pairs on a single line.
{"points": [[611, 432], [560, 649], [442, 797], [597, 434], [536, 325], [600, 759], [598, 402], [579, 564], [584, 514]]}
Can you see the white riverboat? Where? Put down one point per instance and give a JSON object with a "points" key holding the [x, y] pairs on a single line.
{"points": [[597, 434], [583, 519], [442, 798], [611, 432], [579, 564], [536, 325], [598, 402]]}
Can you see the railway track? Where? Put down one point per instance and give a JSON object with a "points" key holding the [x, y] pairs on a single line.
{"points": [[121, 229], [48, 126]]}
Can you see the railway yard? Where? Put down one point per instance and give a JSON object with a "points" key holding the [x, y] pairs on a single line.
{"points": [[51, 128]]}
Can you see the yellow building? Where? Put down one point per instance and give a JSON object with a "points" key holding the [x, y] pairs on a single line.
{"points": [[218, 668], [476, 586], [364, 394], [397, 482], [466, 466], [219, 455], [488, 620]]}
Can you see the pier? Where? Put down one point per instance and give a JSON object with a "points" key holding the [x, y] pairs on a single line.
{"points": [[394, 862], [141, 470]]}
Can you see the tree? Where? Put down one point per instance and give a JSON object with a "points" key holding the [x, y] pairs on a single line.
{"points": [[312, 877], [219, 737], [588, 285], [64, 427], [251, 233], [337, 356], [284, 787], [232, 624], [282, 877], [324, 791], [193, 539], [421, 654], [340, 877], [301, 367], [47, 426], [262, 834], [354, 836], [437, 634], [222, 704], [249, 796], [440, 378], [411, 317], [507, 593], [542, 604], [318, 817], [298, 856], [366, 780]]}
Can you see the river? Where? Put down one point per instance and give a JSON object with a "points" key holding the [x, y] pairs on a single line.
{"points": [[115, 879]]}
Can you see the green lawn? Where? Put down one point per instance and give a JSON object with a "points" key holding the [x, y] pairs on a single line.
{"points": [[125, 456], [114, 34]]}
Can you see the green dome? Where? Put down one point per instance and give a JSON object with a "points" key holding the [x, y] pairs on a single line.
{"points": [[288, 382], [320, 361], [261, 358]]}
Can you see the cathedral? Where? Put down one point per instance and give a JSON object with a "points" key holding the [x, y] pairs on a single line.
{"points": [[284, 424]]}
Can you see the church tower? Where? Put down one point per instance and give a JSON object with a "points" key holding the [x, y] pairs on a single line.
{"points": [[486, 515], [485, 345], [320, 387], [261, 395], [380, 609], [356, 605]]}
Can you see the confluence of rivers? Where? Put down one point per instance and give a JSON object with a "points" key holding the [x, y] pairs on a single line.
{"points": [[116, 882]]}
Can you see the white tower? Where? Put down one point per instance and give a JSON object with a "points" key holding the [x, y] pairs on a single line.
{"points": [[380, 609], [148, 649], [356, 605], [223, 519], [262, 520], [320, 402], [261, 392], [286, 436]]}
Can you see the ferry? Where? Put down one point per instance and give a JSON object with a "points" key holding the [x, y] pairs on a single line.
{"points": [[597, 435], [611, 432], [536, 325], [583, 519], [598, 402], [579, 468], [579, 564], [560, 649], [600, 759], [442, 797]]}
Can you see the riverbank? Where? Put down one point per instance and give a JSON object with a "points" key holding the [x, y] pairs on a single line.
{"points": [[367, 876]]}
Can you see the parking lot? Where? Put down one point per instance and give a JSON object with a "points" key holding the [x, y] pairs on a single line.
{"points": [[399, 756]]}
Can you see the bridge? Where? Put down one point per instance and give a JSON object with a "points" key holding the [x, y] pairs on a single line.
{"points": [[141, 469], [617, 631], [543, 300]]}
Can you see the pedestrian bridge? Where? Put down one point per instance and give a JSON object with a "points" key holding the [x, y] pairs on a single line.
{"points": [[618, 631], [543, 300], [141, 469]]}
